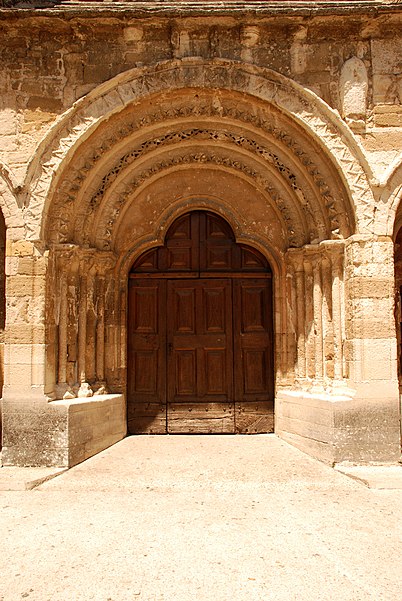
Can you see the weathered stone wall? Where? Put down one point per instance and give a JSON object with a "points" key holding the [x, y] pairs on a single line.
{"points": [[352, 62], [113, 123]]}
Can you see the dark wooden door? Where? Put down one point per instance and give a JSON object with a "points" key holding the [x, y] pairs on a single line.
{"points": [[200, 341], [200, 356], [146, 381], [253, 356]]}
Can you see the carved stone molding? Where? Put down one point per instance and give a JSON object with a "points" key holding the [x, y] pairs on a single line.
{"points": [[333, 205], [290, 214], [303, 106]]}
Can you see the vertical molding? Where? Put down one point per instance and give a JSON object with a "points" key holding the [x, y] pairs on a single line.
{"points": [[91, 326], [62, 341], [309, 318], [299, 310], [338, 314], [292, 323], [327, 316], [100, 330], [317, 318], [82, 328]]}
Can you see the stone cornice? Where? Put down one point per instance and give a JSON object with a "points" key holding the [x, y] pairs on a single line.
{"points": [[194, 8]]}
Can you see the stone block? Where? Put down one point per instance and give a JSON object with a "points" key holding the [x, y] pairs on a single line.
{"points": [[358, 430], [25, 333], [367, 432], [23, 285], [386, 54], [372, 360], [21, 354], [389, 118], [33, 435], [8, 122], [93, 424], [19, 248], [376, 288]]}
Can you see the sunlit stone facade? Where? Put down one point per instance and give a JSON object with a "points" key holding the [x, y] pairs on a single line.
{"points": [[285, 119]]}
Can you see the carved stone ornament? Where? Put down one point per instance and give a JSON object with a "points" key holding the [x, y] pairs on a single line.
{"points": [[64, 213], [301, 105]]}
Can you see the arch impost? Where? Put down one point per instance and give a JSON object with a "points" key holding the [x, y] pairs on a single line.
{"points": [[73, 257], [323, 124]]}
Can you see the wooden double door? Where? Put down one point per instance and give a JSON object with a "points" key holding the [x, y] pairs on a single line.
{"points": [[200, 342]]}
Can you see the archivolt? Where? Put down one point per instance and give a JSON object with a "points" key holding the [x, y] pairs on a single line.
{"points": [[322, 125], [389, 218], [283, 171]]}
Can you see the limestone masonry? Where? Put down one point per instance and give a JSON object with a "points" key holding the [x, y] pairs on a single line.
{"points": [[117, 119]]}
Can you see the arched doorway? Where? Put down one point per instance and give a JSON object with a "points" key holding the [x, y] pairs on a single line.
{"points": [[200, 333]]}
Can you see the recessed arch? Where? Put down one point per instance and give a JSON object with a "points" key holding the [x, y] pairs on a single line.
{"points": [[302, 107], [261, 144], [154, 236]]}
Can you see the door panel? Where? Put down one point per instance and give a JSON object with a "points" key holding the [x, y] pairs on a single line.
{"points": [[254, 417], [201, 418], [200, 362], [253, 345], [146, 405]]}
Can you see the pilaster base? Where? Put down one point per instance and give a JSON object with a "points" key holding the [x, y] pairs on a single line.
{"points": [[340, 429], [61, 433]]}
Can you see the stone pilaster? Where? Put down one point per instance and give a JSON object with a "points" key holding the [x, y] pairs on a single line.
{"points": [[31, 436], [367, 427]]}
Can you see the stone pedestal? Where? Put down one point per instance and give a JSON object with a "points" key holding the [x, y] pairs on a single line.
{"points": [[61, 433]]}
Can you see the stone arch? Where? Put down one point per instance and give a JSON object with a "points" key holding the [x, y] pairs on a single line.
{"points": [[301, 107], [174, 211], [389, 220]]}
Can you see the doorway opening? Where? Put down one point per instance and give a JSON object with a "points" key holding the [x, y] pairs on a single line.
{"points": [[200, 333]]}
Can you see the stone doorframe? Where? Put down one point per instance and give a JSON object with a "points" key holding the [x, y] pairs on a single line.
{"points": [[287, 174]]}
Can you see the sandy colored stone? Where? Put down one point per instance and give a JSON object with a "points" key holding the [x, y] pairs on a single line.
{"points": [[267, 521], [284, 120]]}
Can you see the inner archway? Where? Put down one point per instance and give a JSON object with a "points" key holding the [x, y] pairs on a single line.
{"points": [[200, 333]]}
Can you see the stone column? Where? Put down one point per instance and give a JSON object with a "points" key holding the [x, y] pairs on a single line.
{"points": [[299, 313], [86, 264], [91, 325], [64, 261], [309, 317], [317, 309], [100, 331], [327, 318], [337, 313]]}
